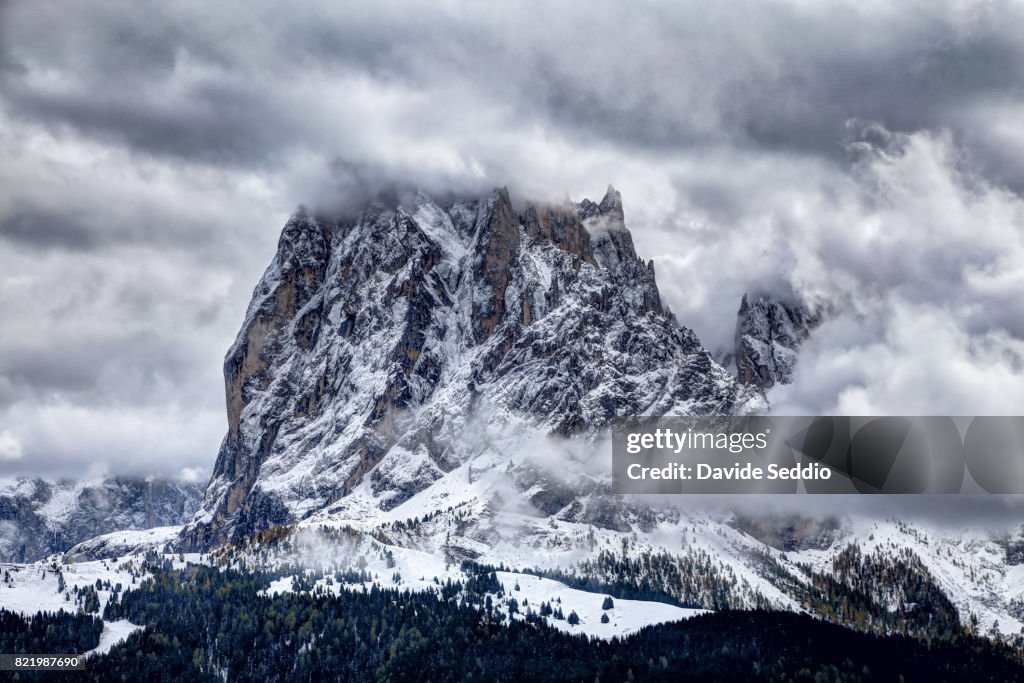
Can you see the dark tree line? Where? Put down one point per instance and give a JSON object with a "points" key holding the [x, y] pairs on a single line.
{"points": [[208, 624], [49, 633]]}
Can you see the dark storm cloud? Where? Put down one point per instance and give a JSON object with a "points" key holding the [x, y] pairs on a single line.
{"points": [[84, 227], [85, 369], [222, 124], [218, 84], [41, 229]]}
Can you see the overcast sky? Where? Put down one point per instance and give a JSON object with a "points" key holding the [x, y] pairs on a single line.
{"points": [[866, 155]]}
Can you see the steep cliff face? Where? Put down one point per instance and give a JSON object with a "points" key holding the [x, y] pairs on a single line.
{"points": [[372, 346], [39, 517], [768, 334]]}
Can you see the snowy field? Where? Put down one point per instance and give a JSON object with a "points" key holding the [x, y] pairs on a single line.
{"points": [[625, 617], [31, 588], [114, 632]]}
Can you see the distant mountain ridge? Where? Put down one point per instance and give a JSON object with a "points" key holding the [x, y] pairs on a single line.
{"points": [[40, 517]]}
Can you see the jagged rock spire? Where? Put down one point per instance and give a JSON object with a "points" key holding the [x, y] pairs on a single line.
{"points": [[768, 333]]}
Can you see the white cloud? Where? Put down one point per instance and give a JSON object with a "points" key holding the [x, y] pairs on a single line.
{"points": [[10, 446], [167, 438], [194, 475], [924, 263]]}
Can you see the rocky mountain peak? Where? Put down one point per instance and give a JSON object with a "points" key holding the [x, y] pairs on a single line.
{"points": [[606, 225], [560, 225], [769, 331], [373, 343], [611, 205]]}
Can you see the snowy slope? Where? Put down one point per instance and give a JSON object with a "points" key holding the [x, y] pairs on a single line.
{"points": [[971, 566], [121, 543], [975, 569], [625, 616], [30, 588], [980, 574], [114, 632]]}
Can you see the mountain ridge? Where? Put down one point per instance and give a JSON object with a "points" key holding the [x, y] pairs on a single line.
{"points": [[381, 392], [39, 517], [394, 328]]}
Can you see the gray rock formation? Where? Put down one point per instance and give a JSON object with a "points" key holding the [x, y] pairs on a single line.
{"points": [[768, 334], [39, 517], [373, 345]]}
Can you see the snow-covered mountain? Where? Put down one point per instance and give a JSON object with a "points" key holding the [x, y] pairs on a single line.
{"points": [[431, 383], [422, 392], [39, 517], [381, 356], [423, 389]]}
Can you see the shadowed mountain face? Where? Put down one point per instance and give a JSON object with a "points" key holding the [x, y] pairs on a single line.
{"points": [[373, 346], [768, 334], [39, 517], [790, 532]]}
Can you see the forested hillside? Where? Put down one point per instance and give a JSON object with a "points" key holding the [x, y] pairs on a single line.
{"points": [[205, 624]]}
